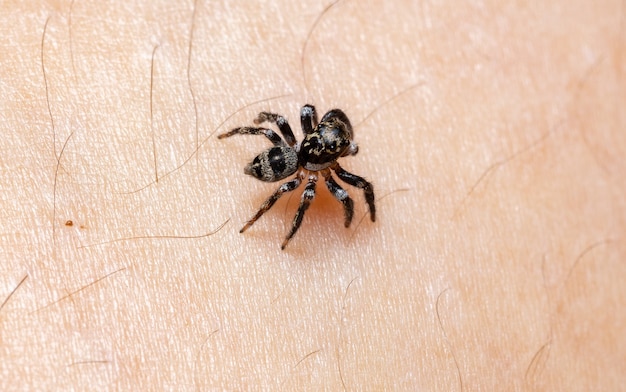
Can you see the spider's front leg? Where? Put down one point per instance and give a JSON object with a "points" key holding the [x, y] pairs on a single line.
{"points": [[268, 133], [307, 196]]}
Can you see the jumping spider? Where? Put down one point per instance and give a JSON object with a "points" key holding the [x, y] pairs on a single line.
{"points": [[317, 154]]}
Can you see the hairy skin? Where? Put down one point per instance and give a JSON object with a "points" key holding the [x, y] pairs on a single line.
{"points": [[500, 265]]}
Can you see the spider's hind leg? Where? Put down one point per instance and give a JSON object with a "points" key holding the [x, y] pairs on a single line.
{"points": [[341, 195], [307, 196], [267, 204], [359, 182]]}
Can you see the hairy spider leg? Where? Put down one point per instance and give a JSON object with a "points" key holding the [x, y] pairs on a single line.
{"points": [[281, 122], [341, 195], [358, 182], [308, 119], [268, 133], [267, 204], [307, 196]]}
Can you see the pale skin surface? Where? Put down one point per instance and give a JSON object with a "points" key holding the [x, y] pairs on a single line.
{"points": [[503, 153]]}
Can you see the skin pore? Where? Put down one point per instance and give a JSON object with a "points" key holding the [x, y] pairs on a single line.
{"points": [[493, 134]]}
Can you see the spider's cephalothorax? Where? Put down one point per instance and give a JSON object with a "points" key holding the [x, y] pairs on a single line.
{"points": [[316, 155]]}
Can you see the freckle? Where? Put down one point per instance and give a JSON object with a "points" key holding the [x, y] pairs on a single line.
{"points": [[69, 223]]}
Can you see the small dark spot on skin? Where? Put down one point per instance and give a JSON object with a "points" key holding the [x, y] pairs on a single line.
{"points": [[69, 223]]}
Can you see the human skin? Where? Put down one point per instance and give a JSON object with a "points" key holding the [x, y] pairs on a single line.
{"points": [[493, 135]]}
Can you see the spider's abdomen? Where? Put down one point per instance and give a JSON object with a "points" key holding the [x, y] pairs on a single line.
{"points": [[273, 164], [323, 146]]}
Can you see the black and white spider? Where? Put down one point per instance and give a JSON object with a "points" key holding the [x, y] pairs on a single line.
{"points": [[317, 154]]}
